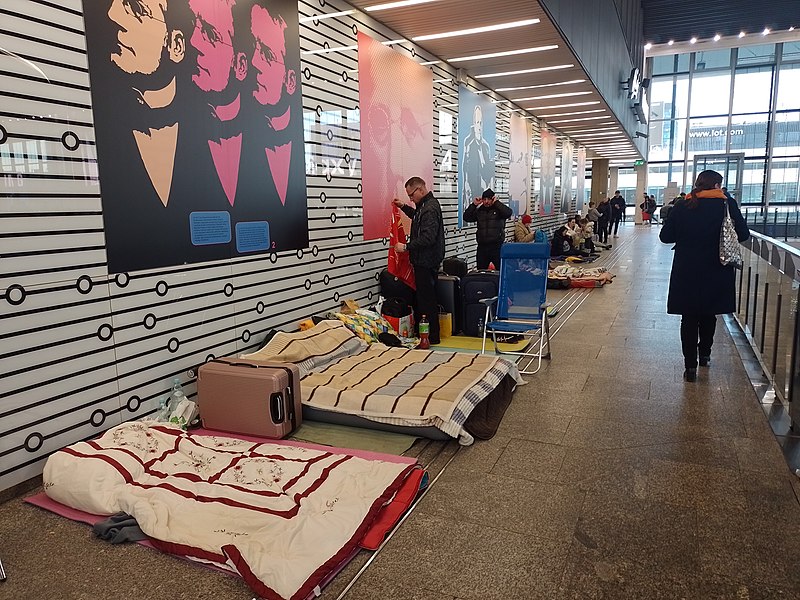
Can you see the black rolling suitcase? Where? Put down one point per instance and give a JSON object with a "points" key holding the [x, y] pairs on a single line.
{"points": [[448, 293], [476, 286], [457, 267], [394, 287]]}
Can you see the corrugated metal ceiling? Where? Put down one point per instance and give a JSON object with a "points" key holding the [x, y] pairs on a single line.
{"points": [[680, 20]]}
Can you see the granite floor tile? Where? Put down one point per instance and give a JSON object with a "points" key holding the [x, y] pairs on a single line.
{"points": [[694, 486], [759, 454], [546, 427], [481, 455], [606, 435], [616, 386], [621, 472], [530, 508], [469, 561], [370, 588], [722, 588], [530, 460]]}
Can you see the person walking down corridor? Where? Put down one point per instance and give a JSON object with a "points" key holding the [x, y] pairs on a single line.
{"points": [[604, 208], [425, 248], [700, 287], [617, 213], [491, 216]]}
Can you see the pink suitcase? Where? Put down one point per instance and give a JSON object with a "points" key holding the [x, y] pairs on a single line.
{"points": [[239, 395]]}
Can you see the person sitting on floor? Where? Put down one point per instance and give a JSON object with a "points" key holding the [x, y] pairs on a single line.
{"points": [[561, 244], [523, 232]]}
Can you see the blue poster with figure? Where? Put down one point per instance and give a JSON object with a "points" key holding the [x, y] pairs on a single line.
{"points": [[477, 134]]}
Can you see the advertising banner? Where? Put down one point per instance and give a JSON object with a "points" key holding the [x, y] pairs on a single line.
{"points": [[477, 133], [396, 98], [580, 187], [566, 176], [199, 127], [519, 168], [547, 204]]}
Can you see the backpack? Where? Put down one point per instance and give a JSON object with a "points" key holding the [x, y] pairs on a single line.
{"points": [[539, 237]]}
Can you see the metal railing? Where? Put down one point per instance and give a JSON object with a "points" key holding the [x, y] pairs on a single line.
{"points": [[781, 223], [768, 298]]}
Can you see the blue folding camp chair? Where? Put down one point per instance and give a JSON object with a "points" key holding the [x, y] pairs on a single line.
{"points": [[519, 308]]}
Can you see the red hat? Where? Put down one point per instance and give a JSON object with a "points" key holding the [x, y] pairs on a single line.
{"points": [[526, 219]]}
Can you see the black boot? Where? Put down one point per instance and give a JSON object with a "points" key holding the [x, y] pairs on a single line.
{"points": [[704, 360], [690, 374]]}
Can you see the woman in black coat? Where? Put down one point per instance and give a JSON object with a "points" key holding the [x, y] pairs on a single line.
{"points": [[700, 287]]}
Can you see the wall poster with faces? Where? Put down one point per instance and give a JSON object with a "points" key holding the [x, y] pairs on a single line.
{"points": [[547, 204], [581, 179], [477, 133], [519, 168], [566, 175], [199, 126], [395, 94]]}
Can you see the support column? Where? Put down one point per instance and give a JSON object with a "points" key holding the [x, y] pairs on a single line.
{"points": [[641, 186], [599, 180], [613, 180]]}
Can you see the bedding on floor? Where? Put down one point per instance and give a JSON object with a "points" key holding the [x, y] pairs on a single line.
{"points": [[281, 516]]}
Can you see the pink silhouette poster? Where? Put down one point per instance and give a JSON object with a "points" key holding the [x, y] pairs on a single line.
{"points": [[396, 101]]}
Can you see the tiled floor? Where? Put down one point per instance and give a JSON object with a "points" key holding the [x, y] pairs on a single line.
{"points": [[610, 477]]}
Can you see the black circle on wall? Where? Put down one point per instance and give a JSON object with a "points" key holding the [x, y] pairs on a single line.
{"points": [[361, 261], [329, 135], [344, 75], [377, 276], [84, 284], [369, 295], [3, 135], [260, 307], [228, 290], [98, 418], [122, 279], [307, 73], [34, 441], [173, 344], [347, 158], [133, 403], [105, 332], [314, 251], [336, 296], [355, 29], [359, 188], [307, 284], [149, 321], [350, 236], [15, 294], [300, 253], [319, 110], [333, 217], [246, 336], [210, 357], [328, 176], [323, 197], [70, 141], [162, 288], [331, 258], [327, 279], [273, 258]]}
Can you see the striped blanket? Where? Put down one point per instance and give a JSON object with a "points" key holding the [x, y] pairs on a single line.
{"points": [[417, 388]]}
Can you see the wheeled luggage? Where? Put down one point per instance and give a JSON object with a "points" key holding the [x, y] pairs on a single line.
{"points": [[394, 287], [240, 395], [448, 293], [476, 286], [457, 267]]}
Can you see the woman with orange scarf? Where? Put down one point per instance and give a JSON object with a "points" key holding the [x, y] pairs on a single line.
{"points": [[700, 287]]}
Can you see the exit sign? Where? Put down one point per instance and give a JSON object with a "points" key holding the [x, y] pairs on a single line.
{"points": [[638, 163]]}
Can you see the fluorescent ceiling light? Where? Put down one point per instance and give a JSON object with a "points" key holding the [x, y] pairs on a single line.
{"points": [[669, 43], [448, 105], [741, 34], [598, 129], [506, 53], [563, 105], [524, 71], [541, 85], [441, 80], [398, 4], [579, 125], [580, 112], [508, 110], [766, 31], [603, 134], [550, 96], [693, 40], [484, 29], [430, 62], [648, 45], [342, 13], [717, 37]]}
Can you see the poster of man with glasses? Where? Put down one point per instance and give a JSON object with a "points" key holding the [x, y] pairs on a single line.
{"points": [[197, 160], [477, 123]]}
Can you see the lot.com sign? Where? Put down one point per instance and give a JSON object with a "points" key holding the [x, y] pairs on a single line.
{"points": [[748, 136]]}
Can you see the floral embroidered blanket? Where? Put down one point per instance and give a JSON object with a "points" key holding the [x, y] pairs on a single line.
{"points": [[278, 515]]}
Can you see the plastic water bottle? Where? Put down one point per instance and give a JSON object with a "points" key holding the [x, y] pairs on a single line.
{"points": [[162, 415], [177, 393], [480, 327], [424, 334]]}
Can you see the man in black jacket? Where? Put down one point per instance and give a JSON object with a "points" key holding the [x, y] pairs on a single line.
{"points": [[425, 248], [491, 216]]}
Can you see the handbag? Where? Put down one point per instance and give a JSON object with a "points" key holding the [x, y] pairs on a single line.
{"points": [[730, 251]]}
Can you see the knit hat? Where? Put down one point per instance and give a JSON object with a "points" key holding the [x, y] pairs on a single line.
{"points": [[489, 193], [526, 219]]}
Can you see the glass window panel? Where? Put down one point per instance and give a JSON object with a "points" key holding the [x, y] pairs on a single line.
{"points": [[784, 185], [789, 87], [713, 59], [752, 90], [752, 182], [707, 135], [663, 64], [710, 94], [667, 139], [669, 97], [791, 51], [751, 55], [786, 140], [749, 134], [683, 62]]}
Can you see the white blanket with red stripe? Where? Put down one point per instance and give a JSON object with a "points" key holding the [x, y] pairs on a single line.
{"points": [[281, 516]]}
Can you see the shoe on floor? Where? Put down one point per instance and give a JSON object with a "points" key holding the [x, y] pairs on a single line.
{"points": [[690, 375], [704, 360]]}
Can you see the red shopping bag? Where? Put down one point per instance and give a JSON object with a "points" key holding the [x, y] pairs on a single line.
{"points": [[399, 262]]}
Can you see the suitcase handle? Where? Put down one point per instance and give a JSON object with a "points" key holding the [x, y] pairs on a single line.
{"points": [[276, 408]]}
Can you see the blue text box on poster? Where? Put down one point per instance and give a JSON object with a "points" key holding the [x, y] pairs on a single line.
{"points": [[210, 227], [252, 236]]}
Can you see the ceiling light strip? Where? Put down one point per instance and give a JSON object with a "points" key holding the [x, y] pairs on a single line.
{"points": [[398, 4], [580, 112], [524, 71], [342, 13], [550, 96], [474, 30], [535, 108], [541, 85], [506, 53]]}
